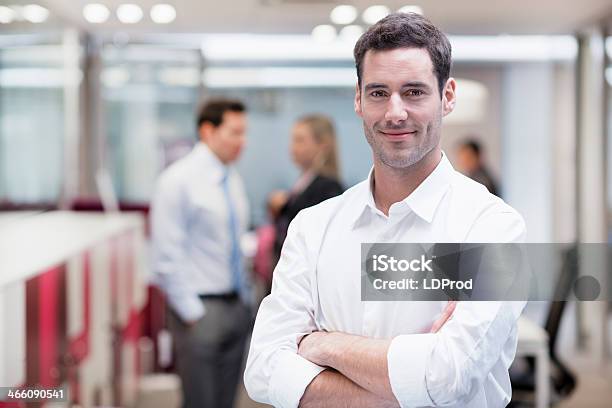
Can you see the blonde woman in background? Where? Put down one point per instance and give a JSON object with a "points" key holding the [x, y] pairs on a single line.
{"points": [[314, 150]]}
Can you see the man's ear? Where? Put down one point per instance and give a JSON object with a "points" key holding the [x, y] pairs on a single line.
{"points": [[205, 130], [449, 96], [358, 100]]}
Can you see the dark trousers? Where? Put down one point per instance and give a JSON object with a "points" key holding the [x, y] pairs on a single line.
{"points": [[210, 353]]}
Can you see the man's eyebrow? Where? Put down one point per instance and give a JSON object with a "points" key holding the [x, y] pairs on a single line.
{"points": [[416, 84], [375, 85], [411, 84]]}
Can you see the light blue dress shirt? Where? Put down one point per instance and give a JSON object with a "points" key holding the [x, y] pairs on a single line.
{"points": [[193, 247]]}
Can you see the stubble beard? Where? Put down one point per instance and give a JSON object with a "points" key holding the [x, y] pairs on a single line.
{"points": [[403, 157]]}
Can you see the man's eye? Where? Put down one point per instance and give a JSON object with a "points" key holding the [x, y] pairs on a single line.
{"points": [[378, 93], [415, 92]]}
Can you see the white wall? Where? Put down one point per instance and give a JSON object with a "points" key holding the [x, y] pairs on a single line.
{"points": [[527, 159]]}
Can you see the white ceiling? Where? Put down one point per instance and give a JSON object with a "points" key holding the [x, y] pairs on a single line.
{"points": [[300, 16]]}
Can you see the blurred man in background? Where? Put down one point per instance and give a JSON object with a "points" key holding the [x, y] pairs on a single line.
{"points": [[199, 211], [470, 163]]}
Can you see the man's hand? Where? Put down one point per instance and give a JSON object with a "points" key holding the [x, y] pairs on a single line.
{"points": [[191, 323], [447, 313]]}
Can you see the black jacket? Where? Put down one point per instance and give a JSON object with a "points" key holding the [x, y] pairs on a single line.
{"points": [[320, 189]]}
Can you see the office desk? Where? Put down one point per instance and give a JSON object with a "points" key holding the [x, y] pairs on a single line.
{"points": [[72, 289]]}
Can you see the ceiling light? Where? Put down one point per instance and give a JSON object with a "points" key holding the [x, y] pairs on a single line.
{"points": [[411, 9], [7, 15], [163, 13], [372, 14], [96, 13], [324, 33], [35, 13], [343, 14], [129, 13], [351, 33]]}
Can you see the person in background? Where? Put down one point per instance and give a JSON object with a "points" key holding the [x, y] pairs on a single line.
{"points": [[470, 163], [314, 151], [199, 211]]}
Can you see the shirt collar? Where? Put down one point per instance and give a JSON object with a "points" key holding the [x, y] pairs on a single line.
{"points": [[423, 201], [215, 168]]}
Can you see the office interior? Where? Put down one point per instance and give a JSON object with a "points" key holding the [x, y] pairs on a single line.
{"points": [[95, 101]]}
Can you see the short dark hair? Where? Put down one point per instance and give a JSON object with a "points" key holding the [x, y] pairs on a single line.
{"points": [[407, 30], [473, 145], [213, 110]]}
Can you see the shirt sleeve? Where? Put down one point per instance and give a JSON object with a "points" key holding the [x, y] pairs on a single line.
{"points": [[169, 238], [449, 367], [275, 374]]}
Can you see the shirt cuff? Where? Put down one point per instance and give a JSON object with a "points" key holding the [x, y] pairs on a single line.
{"points": [[188, 308], [407, 359], [291, 375]]}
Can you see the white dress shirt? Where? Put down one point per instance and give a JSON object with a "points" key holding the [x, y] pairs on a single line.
{"points": [[190, 230], [317, 287]]}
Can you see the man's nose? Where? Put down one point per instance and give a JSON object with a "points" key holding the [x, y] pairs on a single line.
{"points": [[396, 111]]}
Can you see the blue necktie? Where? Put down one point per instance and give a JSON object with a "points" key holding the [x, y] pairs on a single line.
{"points": [[236, 255]]}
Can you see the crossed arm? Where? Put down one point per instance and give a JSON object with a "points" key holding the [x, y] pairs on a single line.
{"points": [[360, 371]]}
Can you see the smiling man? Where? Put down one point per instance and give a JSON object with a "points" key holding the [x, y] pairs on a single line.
{"points": [[315, 342]]}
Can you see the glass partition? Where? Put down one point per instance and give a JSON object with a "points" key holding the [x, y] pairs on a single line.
{"points": [[149, 99], [31, 124]]}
